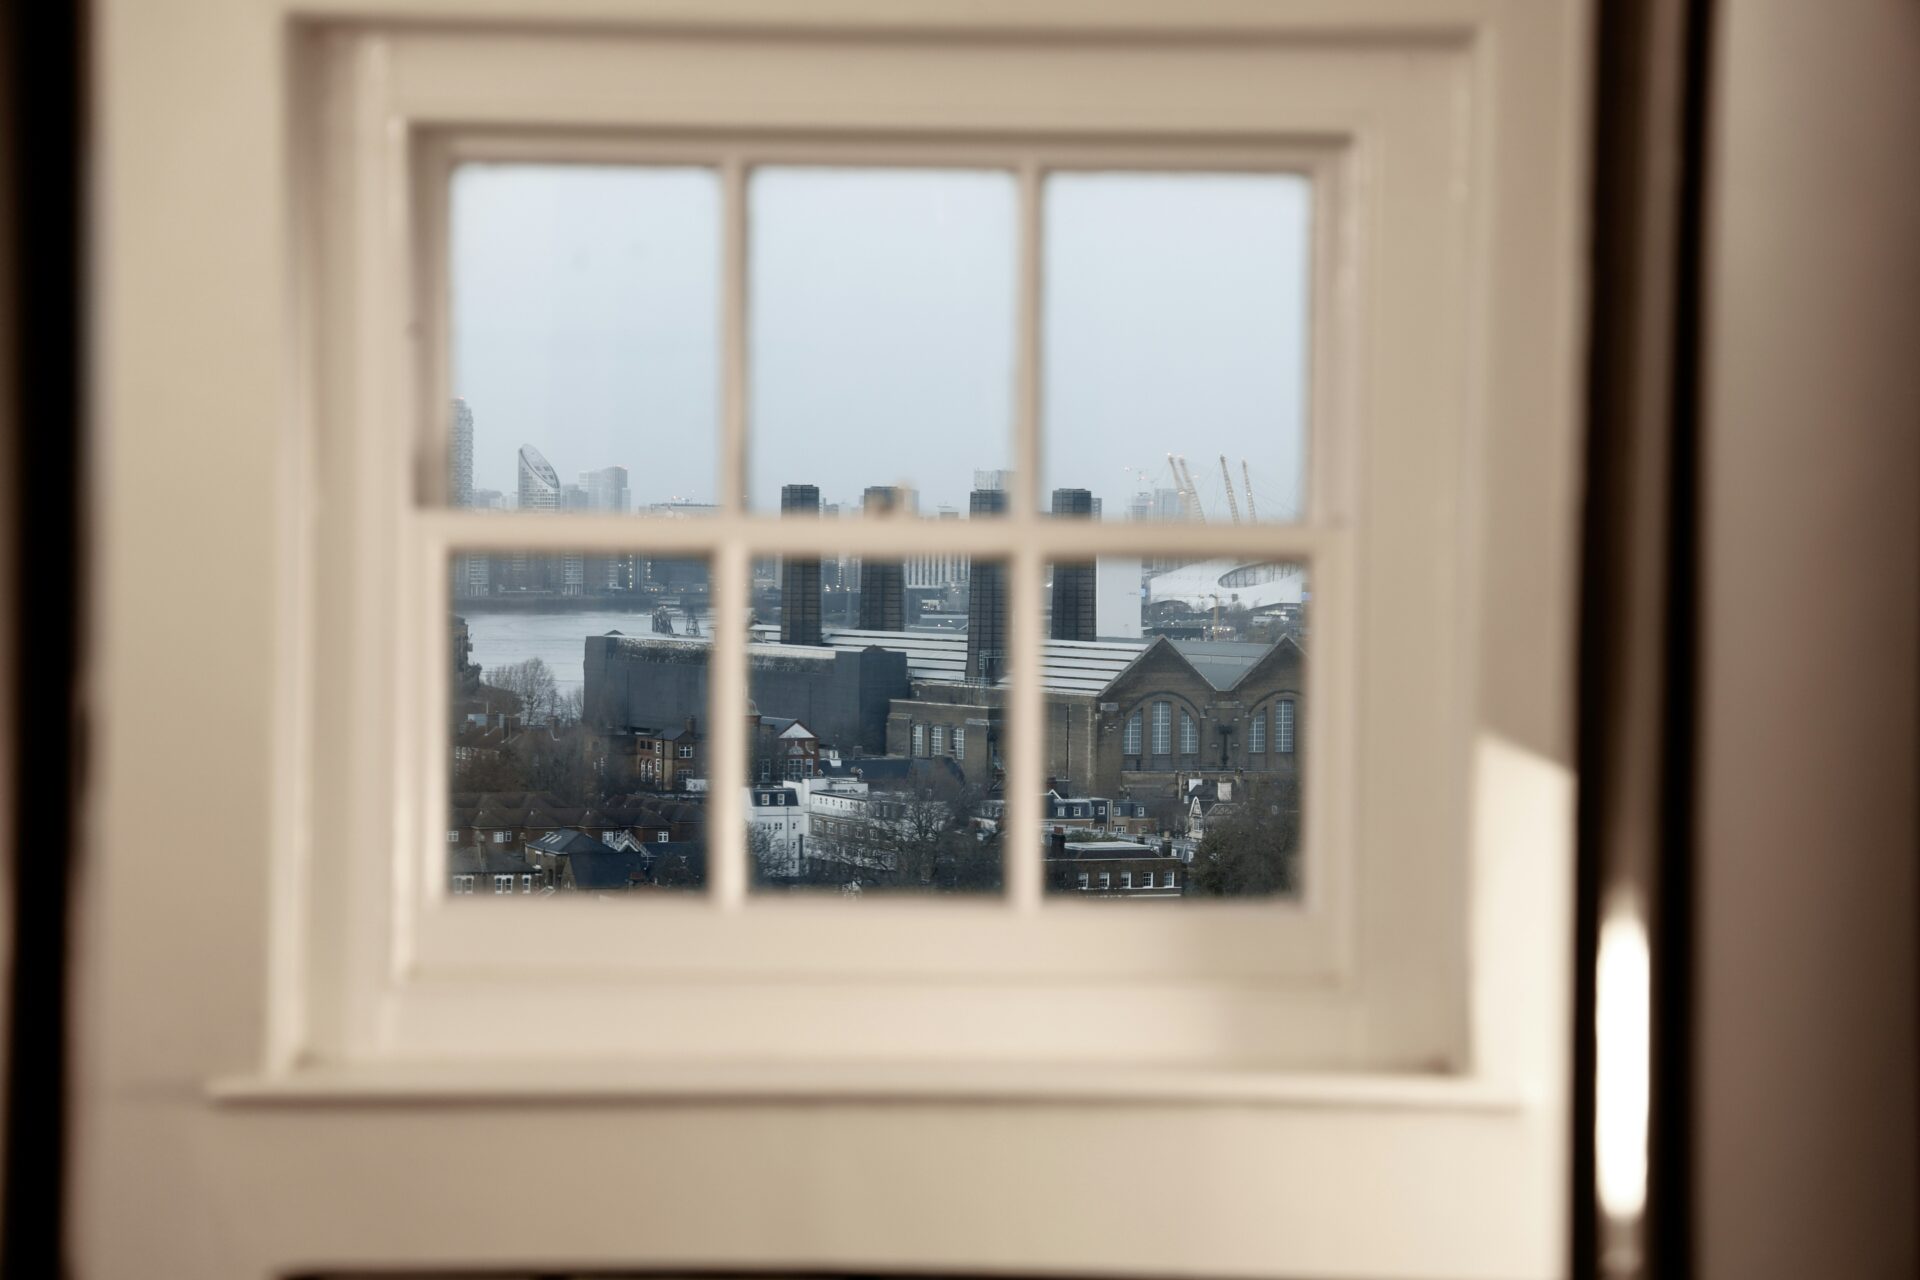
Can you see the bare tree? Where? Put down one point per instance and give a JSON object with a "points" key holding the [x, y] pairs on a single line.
{"points": [[1252, 848], [533, 684]]}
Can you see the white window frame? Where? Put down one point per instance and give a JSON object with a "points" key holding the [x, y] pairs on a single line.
{"points": [[1454, 139], [442, 89], [1284, 716], [1131, 741], [1162, 729]]}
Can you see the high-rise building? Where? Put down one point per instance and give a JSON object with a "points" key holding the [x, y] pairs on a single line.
{"points": [[539, 490], [987, 600], [994, 481], [800, 578], [606, 489], [883, 588], [539, 482], [470, 573], [460, 457], [1073, 581]]}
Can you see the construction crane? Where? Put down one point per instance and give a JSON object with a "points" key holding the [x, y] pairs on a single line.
{"points": [[1194, 510], [1251, 514], [1233, 507], [1183, 485]]}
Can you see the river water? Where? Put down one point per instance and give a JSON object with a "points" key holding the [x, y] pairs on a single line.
{"points": [[502, 637]]}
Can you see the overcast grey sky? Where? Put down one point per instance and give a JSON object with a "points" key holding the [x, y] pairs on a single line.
{"points": [[882, 326]]}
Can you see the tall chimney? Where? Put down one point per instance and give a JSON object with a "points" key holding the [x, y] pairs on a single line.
{"points": [[800, 579], [1073, 582], [987, 600], [883, 583]]}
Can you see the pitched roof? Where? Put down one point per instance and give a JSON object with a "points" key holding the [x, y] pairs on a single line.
{"points": [[569, 843]]}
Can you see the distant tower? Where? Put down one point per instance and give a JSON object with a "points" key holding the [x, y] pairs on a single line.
{"points": [[606, 489], [1073, 582], [800, 579], [883, 583], [987, 600], [460, 457], [539, 491], [470, 573]]}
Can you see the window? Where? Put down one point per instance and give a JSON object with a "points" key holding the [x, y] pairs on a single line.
{"points": [[1082, 879], [1283, 726], [1130, 745], [960, 743], [1126, 879], [526, 884], [1147, 880], [1257, 735], [686, 751], [463, 884], [501, 837], [1162, 729], [1172, 883], [939, 740], [919, 740], [1106, 879], [453, 837], [1437, 162], [503, 884], [1189, 736]]}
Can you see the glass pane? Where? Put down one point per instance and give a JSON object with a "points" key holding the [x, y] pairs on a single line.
{"points": [[1176, 343], [882, 332], [585, 304], [874, 743], [1174, 704], [568, 774]]}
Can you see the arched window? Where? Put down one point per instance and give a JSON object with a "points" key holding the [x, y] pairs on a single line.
{"points": [[1257, 735], [1189, 736], [1162, 729], [1283, 726], [1130, 740]]}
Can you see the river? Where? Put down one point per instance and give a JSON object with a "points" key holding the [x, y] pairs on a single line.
{"points": [[503, 637]]}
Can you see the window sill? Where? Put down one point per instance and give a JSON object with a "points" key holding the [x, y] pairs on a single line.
{"points": [[537, 1082]]}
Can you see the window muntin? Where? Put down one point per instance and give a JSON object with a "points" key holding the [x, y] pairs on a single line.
{"points": [[1162, 729], [1283, 726], [1189, 735], [1257, 735], [1131, 744]]}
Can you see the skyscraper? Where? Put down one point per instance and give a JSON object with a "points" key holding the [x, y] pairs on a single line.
{"points": [[606, 489], [471, 574], [460, 457], [539, 491]]}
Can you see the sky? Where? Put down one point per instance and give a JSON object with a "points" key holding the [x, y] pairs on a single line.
{"points": [[882, 321]]}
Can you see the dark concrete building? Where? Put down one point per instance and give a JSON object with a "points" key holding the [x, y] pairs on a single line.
{"points": [[987, 600], [840, 694], [883, 583], [1073, 614], [799, 579]]}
